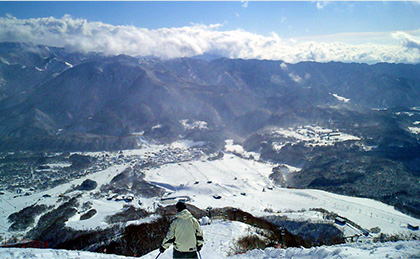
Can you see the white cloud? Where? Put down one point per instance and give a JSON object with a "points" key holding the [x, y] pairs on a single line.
{"points": [[81, 35], [244, 4], [407, 40], [322, 4], [283, 19]]}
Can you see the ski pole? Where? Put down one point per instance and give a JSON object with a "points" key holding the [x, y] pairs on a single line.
{"points": [[199, 254], [158, 255]]}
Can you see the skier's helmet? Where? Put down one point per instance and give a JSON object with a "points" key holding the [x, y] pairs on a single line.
{"points": [[180, 206]]}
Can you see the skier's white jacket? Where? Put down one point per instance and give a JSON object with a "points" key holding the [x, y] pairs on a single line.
{"points": [[185, 233]]}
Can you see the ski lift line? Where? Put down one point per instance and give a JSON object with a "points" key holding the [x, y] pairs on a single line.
{"points": [[9, 203], [265, 180], [231, 174], [255, 171], [4, 211], [2, 220], [189, 172], [6, 228], [223, 172], [198, 170]]}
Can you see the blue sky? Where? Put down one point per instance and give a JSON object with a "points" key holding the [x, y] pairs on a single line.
{"points": [[288, 19], [356, 23]]}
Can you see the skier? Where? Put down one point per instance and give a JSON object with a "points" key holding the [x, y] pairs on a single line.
{"points": [[185, 233], [205, 221]]}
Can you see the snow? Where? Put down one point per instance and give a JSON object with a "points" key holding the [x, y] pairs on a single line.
{"points": [[185, 144], [2, 82], [194, 125], [10, 204], [103, 208], [4, 61], [283, 66], [68, 64], [295, 77], [141, 133], [343, 99], [279, 145], [350, 250], [310, 135], [414, 130], [58, 165], [54, 167], [158, 126], [230, 146], [405, 113], [229, 177], [220, 238], [30, 253]]}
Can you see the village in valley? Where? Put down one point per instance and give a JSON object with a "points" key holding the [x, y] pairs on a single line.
{"points": [[24, 173]]}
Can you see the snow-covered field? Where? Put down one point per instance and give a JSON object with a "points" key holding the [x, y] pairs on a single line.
{"points": [[310, 135], [242, 183]]}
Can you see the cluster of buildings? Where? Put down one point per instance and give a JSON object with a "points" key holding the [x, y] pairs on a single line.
{"points": [[25, 178]]}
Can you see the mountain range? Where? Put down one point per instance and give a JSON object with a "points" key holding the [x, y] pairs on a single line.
{"points": [[51, 99]]}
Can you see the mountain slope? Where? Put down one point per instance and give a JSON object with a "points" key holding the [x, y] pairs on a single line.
{"points": [[46, 90]]}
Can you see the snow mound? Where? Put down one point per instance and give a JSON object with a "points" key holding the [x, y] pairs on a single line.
{"points": [[402, 249], [32, 253]]}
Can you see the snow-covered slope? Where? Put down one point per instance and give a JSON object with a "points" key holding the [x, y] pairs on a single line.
{"points": [[245, 184], [220, 237], [235, 181], [219, 240]]}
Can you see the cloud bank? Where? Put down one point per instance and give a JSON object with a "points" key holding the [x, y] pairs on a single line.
{"points": [[81, 35], [407, 40]]}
